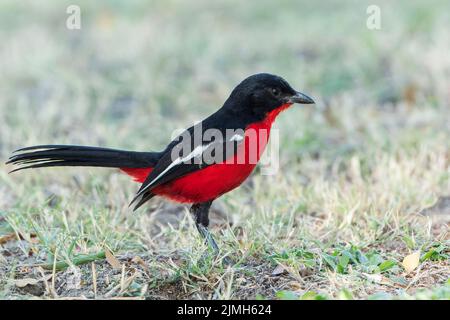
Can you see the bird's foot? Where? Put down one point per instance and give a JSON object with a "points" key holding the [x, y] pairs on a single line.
{"points": [[210, 255], [227, 262], [213, 248]]}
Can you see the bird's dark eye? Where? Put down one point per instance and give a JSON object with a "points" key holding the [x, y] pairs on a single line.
{"points": [[276, 92]]}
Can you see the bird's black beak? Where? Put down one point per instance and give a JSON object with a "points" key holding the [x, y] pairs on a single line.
{"points": [[301, 98]]}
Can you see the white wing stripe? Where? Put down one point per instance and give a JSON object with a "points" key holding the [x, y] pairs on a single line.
{"points": [[237, 137], [197, 152]]}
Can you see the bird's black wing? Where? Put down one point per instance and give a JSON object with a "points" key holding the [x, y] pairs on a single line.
{"points": [[184, 156]]}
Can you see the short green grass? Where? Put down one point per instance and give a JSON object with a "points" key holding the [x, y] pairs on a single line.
{"points": [[364, 178]]}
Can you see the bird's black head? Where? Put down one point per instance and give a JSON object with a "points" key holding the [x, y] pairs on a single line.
{"points": [[262, 93]]}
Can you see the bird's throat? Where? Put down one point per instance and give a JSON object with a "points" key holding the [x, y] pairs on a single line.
{"points": [[272, 115]]}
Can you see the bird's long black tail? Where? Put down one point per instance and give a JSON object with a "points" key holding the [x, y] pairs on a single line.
{"points": [[69, 155]]}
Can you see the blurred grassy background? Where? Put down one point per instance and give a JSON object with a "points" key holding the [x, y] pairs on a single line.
{"points": [[135, 63], [376, 148]]}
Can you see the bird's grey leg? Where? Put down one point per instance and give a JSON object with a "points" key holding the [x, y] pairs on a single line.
{"points": [[200, 212]]}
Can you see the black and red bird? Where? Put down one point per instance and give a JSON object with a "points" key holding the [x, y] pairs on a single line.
{"points": [[190, 169]]}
